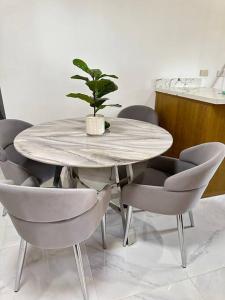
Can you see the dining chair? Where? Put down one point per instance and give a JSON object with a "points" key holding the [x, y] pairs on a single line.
{"points": [[159, 191], [15, 173], [54, 218], [147, 114], [9, 129], [139, 112]]}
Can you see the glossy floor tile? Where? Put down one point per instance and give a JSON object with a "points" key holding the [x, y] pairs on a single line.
{"points": [[183, 290], [149, 269], [211, 285]]}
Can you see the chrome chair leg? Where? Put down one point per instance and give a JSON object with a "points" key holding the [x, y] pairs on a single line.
{"points": [[4, 212], [103, 228], [128, 222], [20, 263], [80, 268], [191, 218], [180, 227]]}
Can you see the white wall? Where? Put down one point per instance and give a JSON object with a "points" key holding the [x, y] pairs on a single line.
{"points": [[139, 40]]}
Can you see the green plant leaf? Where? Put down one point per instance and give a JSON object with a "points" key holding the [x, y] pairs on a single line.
{"points": [[83, 97], [98, 85], [106, 86], [99, 102], [95, 73], [102, 87], [79, 77], [81, 65], [106, 75], [93, 85], [111, 105]]}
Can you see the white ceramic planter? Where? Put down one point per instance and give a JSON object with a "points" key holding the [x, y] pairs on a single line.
{"points": [[95, 125]]}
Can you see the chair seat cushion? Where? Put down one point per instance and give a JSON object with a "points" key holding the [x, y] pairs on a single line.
{"points": [[42, 172], [152, 177], [158, 170], [169, 165], [161, 168]]}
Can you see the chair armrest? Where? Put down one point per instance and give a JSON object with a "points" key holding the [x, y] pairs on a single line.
{"points": [[159, 200]]}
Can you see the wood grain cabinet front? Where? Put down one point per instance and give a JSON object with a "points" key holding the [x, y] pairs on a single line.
{"points": [[193, 122]]}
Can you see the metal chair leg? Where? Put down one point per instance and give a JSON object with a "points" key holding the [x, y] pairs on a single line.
{"points": [[191, 218], [80, 268], [4, 212], [20, 263], [180, 227], [103, 228], [128, 222]]}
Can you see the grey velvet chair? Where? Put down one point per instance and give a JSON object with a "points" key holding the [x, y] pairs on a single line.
{"points": [[14, 173], [159, 191], [139, 112], [9, 129], [54, 218]]}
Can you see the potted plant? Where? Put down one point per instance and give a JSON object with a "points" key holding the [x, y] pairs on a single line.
{"points": [[100, 86]]}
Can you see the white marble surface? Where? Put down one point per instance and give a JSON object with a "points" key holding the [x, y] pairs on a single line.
{"points": [[165, 83], [182, 290], [65, 143], [208, 95], [148, 270]]}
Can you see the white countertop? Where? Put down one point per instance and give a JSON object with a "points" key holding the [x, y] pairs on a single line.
{"points": [[209, 95]]}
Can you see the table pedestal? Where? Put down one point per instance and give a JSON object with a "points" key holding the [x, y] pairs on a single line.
{"points": [[97, 179]]}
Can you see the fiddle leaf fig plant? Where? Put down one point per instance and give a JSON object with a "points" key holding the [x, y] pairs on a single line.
{"points": [[99, 85]]}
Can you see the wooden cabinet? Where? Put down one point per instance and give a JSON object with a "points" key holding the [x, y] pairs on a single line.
{"points": [[193, 122]]}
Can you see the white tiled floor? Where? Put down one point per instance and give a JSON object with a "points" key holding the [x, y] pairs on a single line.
{"points": [[149, 269]]}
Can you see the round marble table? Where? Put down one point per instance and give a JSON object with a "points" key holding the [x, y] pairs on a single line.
{"points": [[65, 143]]}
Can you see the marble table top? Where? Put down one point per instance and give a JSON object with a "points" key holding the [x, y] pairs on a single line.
{"points": [[65, 143], [203, 94]]}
